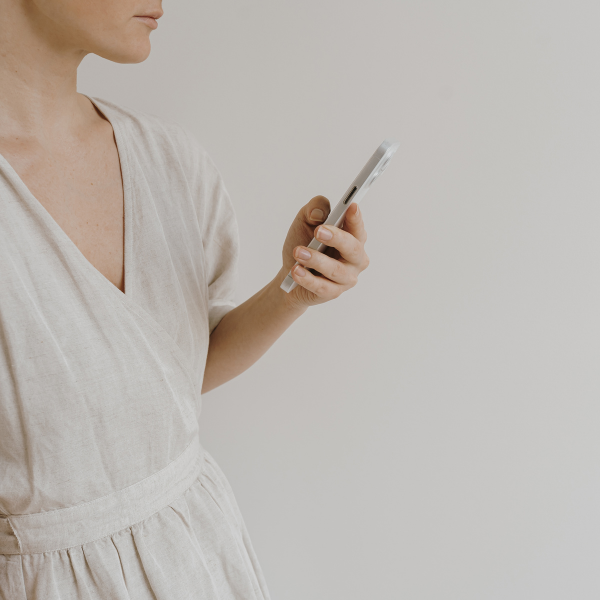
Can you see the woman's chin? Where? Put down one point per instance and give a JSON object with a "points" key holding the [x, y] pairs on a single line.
{"points": [[136, 51]]}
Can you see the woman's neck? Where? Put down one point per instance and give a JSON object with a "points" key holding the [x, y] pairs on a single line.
{"points": [[38, 78]]}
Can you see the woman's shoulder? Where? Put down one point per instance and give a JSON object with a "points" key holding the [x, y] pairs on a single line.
{"points": [[157, 137]]}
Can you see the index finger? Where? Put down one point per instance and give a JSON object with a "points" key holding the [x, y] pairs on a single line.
{"points": [[354, 224]]}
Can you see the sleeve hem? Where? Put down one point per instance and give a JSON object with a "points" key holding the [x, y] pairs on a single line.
{"points": [[217, 310]]}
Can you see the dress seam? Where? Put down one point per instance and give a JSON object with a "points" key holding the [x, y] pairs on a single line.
{"points": [[14, 533]]}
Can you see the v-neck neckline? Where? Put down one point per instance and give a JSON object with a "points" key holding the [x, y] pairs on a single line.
{"points": [[60, 233], [126, 298]]}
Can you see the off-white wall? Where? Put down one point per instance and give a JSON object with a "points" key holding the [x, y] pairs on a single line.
{"points": [[435, 432]]}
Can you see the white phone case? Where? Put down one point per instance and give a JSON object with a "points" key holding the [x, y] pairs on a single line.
{"points": [[354, 194]]}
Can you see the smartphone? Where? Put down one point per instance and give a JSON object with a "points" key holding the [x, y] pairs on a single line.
{"points": [[354, 194]]}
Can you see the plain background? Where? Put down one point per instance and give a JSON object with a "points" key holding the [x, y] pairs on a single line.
{"points": [[434, 433]]}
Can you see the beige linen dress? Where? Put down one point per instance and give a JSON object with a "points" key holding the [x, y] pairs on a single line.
{"points": [[105, 490]]}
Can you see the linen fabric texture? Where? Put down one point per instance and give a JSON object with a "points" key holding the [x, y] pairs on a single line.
{"points": [[105, 489]]}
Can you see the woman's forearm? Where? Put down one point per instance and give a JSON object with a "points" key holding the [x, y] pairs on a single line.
{"points": [[245, 333]]}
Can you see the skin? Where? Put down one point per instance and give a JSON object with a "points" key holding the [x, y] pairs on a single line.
{"points": [[53, 137], [65, 152]]}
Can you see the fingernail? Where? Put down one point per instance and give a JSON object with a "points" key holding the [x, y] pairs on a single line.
{"points": [[357, 213], [317, 215], [324, 234], [300, 271], [302, 253]]}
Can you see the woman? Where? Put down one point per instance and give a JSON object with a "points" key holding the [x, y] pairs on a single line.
{"points": [[118, 249]]}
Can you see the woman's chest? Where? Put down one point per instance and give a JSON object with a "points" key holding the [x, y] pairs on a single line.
{"points": [[47, 281], [80, 186]]}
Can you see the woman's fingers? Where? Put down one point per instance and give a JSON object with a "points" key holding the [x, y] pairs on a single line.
{"points": [[316, 211], [350, 248], [320, 286], [343, 273], [334, 276], [354, 224]]}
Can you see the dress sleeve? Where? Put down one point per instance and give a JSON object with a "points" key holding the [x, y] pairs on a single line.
{"points": [[220, 235]]}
